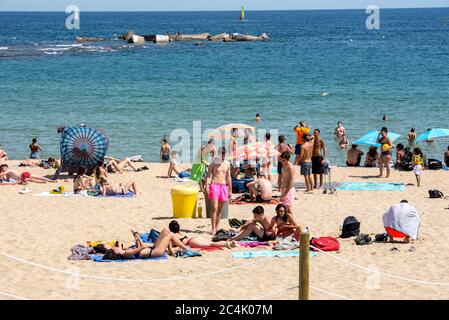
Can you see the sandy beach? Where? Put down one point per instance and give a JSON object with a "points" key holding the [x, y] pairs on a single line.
{"points": [[37, 233]]}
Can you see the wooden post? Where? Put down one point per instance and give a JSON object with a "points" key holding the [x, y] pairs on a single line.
{"points": [[304, 257]]}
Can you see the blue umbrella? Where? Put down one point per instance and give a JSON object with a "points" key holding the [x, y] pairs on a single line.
{"points": [[432, 134], [370, 139], [81, 147]]}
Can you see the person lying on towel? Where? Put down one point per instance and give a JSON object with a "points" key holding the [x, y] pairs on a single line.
{"points": [[163, 244], [402, 221]]}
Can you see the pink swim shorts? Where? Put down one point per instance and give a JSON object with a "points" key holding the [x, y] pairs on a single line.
{"points": [[218, 191], [289, 198]]}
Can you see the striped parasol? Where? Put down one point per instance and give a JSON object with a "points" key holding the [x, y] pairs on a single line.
{"points": [[82, 147]]}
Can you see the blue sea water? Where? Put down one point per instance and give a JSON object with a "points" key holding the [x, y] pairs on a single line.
{"points": [[138, 94]]}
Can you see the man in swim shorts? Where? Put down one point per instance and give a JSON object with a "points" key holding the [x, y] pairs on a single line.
{"points": [[287, 186], [305, 159], [318, 158], [261, 189], [259, 226], [219, 186]]}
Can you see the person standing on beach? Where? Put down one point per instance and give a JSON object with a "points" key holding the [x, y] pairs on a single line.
{"points": [[318, 158], [446, 157], [265, 162], [287, 186], [411, 136], [35, 149], [417, 160], [281, 148], [385, 155], [233, 151], [339, 130], [165, 150], [301, 129], [305, 158], [219, 186]]}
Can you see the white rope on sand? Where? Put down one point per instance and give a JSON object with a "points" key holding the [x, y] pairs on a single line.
{"points": [[330, 293], [382, 273], [12, 296], [127, 279]]}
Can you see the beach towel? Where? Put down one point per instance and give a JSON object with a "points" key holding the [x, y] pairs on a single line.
{"points": [[267, 253], [240, 201], [403, 218], [371, 186], [128, 195], [99, 258], [252, 244]]}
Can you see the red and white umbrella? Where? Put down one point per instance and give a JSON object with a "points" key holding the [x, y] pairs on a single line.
{"points": [[253, 151]]}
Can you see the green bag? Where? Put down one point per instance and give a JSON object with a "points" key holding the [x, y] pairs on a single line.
{"points": [[198, 171]]}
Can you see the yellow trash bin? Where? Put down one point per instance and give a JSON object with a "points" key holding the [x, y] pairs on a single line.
{"points": [[184, 199]]}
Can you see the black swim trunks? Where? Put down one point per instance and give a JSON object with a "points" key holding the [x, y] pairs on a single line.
{"points": [[317, 166], [298, 149], [260, 200], [279, 167]]}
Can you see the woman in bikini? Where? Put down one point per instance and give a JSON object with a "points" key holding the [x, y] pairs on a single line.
{"points": [[371, 158], [100, 173], [82, 181], [35, 149], [165, 150], [113, 189], [116, 166], [385, 156], [163, 244], [284, 224], [197, 242]]}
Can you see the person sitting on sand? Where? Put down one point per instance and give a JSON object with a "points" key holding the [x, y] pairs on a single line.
{"points": [[23, 178], [402, 221], [3, 154], [261, 189], [371, 158], [100, 173], [34, 149], [400, 155], [113, 189], [344, 142], [259, 225], [165, 150], [163, 244], [174, 167], [446, 157], [197, 242], [82, 181], [284, 223], [116, 166], [354, 156]]}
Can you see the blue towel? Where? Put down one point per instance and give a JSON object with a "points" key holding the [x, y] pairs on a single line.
{"points": [[371, 186], [99, 258], [128, 195], [267, 253]]}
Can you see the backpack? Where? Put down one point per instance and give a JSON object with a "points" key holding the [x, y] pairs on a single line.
{"points": [[350, 228], [434, 164], [222, 235], [325, 244], [435, 194]]}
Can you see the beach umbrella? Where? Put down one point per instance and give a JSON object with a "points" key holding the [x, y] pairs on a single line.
{"points": [[432, 134], [224, 132], [254, 150], [82, 146], [370, 139]]}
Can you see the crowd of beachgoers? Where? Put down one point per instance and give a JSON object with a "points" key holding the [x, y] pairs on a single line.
{"points": [[218, 170]]}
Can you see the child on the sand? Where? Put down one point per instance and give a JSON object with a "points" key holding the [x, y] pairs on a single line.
{"points": [[417, 160]]}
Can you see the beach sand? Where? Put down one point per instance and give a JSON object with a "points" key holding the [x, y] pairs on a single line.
{"points": [[39, 231]]}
